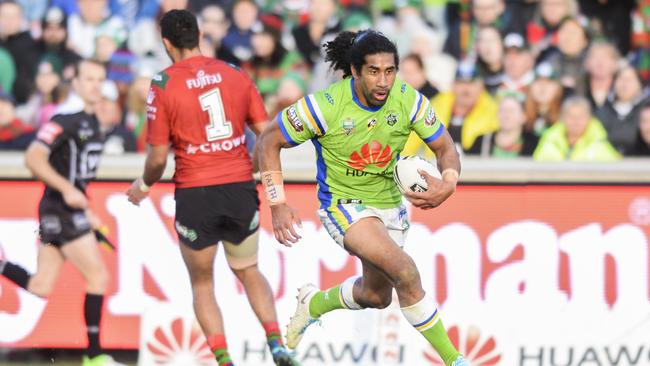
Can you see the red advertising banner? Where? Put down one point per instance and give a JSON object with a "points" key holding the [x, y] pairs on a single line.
{"points": [[530, 270]]}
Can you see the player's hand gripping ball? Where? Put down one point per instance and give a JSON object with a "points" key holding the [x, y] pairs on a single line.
{"points": [[406, 174]]}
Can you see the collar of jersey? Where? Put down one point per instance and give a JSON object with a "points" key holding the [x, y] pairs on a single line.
{"points": [[356, 100]]}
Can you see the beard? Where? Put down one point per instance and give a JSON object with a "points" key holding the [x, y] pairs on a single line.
{"points": [[374, 102]]}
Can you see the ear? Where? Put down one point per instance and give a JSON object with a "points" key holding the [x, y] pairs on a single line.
{"points": [[168, 45], [355, 74]]}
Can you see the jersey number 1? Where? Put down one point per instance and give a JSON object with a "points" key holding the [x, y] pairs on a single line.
{"points": [[218, 128]]}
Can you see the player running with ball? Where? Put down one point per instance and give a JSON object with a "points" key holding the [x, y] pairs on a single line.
{"points": [[358, 127]]}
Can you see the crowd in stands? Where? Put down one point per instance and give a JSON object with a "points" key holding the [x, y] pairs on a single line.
{"points": [[548, 79]]}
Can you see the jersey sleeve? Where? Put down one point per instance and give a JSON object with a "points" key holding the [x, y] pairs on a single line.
{"points": [[256, 109], [158, 129], [302, 120], [53, 133], [423, 119]]}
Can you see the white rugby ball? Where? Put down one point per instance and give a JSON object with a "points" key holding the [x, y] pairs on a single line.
{"points": [[406, 176]]}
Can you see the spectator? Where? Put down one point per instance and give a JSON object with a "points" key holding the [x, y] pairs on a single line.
{"points": [[620, 114], [271, 61], [510, 140], [489, 60], [541, 32], [42, 105], [578, 136], [8, 74], [517, 65], [640, 40], [543, 100], [14, 133], [19, 43], [468, 110], [569, 55], [291, 88], [136, 117], [238, 38], [610, 19], [215, 24], [601, 63], [34, 11], [322, 21], [643, 143], [145, 41], [462, 33], [412, 71], [132, 11], [94, 18], [439, 67], [54, 41], [109, 115]]}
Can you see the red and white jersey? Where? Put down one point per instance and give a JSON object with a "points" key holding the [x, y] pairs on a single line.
{"points": [[201, 106]]}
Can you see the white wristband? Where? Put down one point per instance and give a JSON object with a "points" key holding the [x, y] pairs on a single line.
{"points": [[143, 186]]}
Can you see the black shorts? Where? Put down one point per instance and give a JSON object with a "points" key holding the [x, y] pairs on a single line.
{"points": [[59, 223], [207, 215]]}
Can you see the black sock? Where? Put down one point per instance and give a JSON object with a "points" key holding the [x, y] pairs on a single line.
{"points": [[93, 316], [15, 274]]}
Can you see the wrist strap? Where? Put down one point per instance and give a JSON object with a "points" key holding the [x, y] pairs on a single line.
{"points": [[143, 186], [273, 187], [451, 171]]}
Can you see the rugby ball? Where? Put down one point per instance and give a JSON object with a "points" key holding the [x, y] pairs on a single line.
{"points": [[406, 176]]}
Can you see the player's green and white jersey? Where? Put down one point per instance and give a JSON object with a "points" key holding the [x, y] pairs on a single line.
{"points": [[357, 146]]}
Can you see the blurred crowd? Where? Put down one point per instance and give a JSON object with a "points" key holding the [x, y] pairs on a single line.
{"points": [[551, 79]]}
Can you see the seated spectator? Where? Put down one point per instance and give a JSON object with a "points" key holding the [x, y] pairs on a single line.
{"points": [[510, 140], [238, 38], [543, 100], [19, 43], [54, 41], [118, 139], [489, 57], [620, 114], [8, 74], [578, 136], [610, 19], [541, 32], [462, 33], [14, 133], [215, 24], [518, 65], [271, 61], [569, 55], [439, 67], [642, 147], [292, 87], [136, 101], [411, 70], [640, 39], [42, 105], [322, 21], [467, 110], [94, 18], [601, 63]]}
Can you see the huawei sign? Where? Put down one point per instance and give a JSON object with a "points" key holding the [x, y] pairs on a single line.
{"points": [[180, 343], [372, 153], [476, 348]]}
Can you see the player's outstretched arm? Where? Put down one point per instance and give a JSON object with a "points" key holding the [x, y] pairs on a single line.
{"points": [[284, 217], [37, 160], [449, 164], [154, 167]]}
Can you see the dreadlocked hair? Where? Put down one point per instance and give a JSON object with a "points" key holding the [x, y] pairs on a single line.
{"points": [[349, 49]]}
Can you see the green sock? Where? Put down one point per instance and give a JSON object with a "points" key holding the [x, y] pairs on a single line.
{"points": [[425, 318], [437, 336], [223, 357], [326, 301]]}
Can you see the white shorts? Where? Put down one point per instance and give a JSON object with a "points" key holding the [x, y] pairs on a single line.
{"points": [[337, 219]]}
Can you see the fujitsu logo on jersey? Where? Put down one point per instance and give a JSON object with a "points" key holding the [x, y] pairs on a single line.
{"points": [[202, 80], [222, 145]]}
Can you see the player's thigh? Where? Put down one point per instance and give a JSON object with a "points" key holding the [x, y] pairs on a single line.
{"points": [[49, 263], [199, 263], [244, 254], [83, 253], [368, 239]]}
